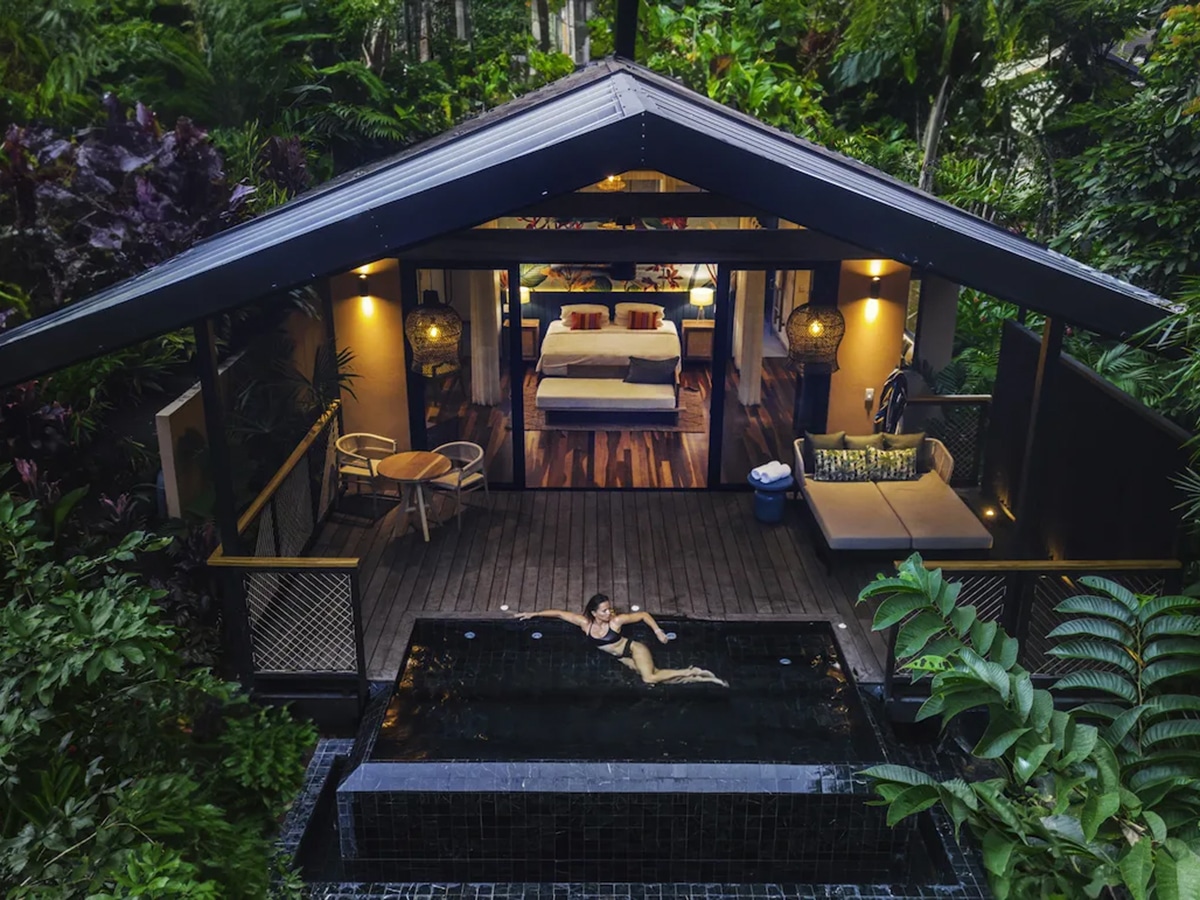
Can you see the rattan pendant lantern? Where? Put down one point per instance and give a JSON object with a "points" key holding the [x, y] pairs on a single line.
{"points": [[434, 330], [814, 334]]}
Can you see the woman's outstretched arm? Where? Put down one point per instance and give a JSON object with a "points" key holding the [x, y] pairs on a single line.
{"points": [[625, 618], [573, 618]]}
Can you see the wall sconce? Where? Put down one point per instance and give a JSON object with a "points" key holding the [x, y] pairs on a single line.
{"points": [[874, 292], [366, 303], [871, 311], [526, 295], [700, 297]]}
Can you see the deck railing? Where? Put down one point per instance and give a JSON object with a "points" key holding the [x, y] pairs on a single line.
{"points": [[1021, 595], [960, 422], [303, 615]]}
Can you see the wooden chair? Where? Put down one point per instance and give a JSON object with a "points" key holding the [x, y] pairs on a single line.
{"points": [[358, 456], [467, 475]]}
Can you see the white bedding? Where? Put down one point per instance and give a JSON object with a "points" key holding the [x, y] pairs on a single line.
{"points": [[611, 345]]}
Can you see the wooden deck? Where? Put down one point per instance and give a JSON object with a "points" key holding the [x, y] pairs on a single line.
{"points": [[675, 553]]}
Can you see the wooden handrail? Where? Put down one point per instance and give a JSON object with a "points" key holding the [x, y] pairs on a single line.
{"points": [[1051, 567], [290, 463], [952, 399], [265, 495], [284, 562]]}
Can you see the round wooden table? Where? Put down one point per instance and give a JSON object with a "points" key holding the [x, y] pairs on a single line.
{"points": [[411, 470]]}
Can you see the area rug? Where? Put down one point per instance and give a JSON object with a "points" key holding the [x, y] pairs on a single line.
{"points": [[692, 419]]}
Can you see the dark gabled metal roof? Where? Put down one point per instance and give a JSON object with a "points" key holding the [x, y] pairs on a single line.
{"points": [[609, 117]]}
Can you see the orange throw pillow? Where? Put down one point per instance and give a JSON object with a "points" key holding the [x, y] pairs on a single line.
{"points": [[643, 320], [586, 321]]}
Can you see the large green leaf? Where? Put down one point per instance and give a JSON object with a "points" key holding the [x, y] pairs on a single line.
{"points": [[1043, 706], [982, 635], [1028, 755], [962, 618], [1105, 682], [1118, 592], [900, 774], [1108, 711], [1159, 605], [1097, 652], [896, 608], [1080, 740], [957, 702], [1172, 646], [1097, 606], [916, 632], [1021, 687], [1177, 872], [1123, 724], [999, 735], [911, 801], [997, 851], [1160, 774], [989, 672], [1064, 826], [1097, 809], [1092, 628], [1136, 866], [1171, 731], [1177, 625], [1168, 668], [1169, 703]]}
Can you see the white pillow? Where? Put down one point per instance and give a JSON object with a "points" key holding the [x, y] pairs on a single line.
{"points": [[624, 309], [584, 308]]}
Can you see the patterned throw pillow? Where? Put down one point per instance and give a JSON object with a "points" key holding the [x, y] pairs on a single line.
{"points": [[586, 321], [842, 465], [643, 320], [892, 465]]}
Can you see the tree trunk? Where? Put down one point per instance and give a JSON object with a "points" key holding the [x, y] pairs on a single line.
{"points": [[542, 9], [933, 133]]}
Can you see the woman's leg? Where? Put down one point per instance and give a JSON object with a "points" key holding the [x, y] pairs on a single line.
{"points": [[644, 663]]}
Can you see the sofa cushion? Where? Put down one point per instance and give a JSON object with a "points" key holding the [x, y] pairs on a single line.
{"points": [[835, 440], [863, 441], [892, 465], [914, 441], [854, 516], [842, 465], [935, 516]]}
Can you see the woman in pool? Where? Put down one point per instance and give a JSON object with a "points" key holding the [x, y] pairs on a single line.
{"points": [[602, 626]]}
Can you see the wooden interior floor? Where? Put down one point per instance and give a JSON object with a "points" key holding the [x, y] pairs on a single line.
{"points": [[697, 554], [624, 459]]}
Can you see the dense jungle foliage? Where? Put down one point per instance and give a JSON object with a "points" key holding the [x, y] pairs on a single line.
{"points": [[134, 128]]}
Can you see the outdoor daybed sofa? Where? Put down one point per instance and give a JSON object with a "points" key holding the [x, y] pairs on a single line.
{"points": [[921, 514]]}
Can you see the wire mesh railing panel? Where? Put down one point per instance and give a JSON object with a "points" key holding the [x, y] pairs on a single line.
{"points": [[962, 429], [1048, 591], [293, 508], [323, 454], [302, 622], [984, 591]]}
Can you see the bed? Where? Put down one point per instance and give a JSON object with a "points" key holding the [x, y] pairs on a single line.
{"points": [[572, 353]]}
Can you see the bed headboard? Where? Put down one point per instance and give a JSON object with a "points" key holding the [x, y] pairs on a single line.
{"points": [[546, 306]]}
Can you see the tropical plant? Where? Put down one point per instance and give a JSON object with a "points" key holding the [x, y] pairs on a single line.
{"points": [[122, 772], [1073, 808]]}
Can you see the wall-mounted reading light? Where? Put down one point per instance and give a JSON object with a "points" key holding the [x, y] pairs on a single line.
{"points": [[366, 302]]}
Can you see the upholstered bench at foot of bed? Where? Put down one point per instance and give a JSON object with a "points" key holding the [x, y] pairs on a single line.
{"points": [[572, 399]]}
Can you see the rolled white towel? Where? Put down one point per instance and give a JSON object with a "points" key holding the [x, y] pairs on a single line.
{"points": [[779, 471], [763, 472]]}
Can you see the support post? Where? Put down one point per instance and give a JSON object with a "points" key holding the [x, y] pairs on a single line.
{"points": [[218, 445], [1031, 478], [722, 346], [516, 378], [410, 300]]}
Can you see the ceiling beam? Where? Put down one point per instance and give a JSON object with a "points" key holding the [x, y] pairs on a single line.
{"points": [[479, 247], [596, 205]]}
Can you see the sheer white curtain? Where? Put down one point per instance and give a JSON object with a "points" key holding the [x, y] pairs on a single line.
{"points": [[485, 337]]}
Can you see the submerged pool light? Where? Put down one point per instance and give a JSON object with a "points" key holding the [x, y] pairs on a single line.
{"points": [[504, 607], [470, 635], [537, 635], [634, 608], [841, 624], [785, 661], [670, 635]]}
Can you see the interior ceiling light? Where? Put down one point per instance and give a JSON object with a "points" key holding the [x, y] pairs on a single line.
{"points": [[814, 335], [434, 330], [611, 183]]}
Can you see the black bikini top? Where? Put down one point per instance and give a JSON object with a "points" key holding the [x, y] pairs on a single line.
{"points": [[610, 637]]}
